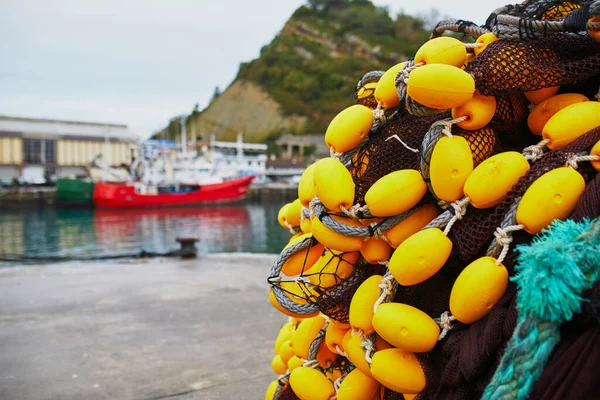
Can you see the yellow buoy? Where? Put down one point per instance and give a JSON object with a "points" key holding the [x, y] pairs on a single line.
{"points": [[420, 256], [596, 152], [477, 289], [570, 123], [480, 110], [386, 93], [484, 40], [366, 90], [334, 337], [386, 367], [334, 184], [357, 386], [305, 225], [487, 185], [537, 96], [332, 268], [413, 223], [325, 357], [306, 186], [406, 327], [442, 50], [271, 390], [281, 215], [294, 362], [278, 366], [553, 195], [304, 259], [375, 250], [542, 112], [451, 164], [440, 86], [356, 354], [334, 240], [349, 128], [361, 306], [305, 334], [285, 333], [310, 384], [292, 213], [395, 193], [285, 351]]}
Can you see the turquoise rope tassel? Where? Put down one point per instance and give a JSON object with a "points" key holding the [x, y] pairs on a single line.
{"points": [[552, 272]]}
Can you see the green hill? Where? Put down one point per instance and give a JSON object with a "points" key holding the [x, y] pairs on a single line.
{"points": [[307, 74]]}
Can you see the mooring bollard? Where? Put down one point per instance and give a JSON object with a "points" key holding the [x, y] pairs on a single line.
{"points": [[188, 246]]}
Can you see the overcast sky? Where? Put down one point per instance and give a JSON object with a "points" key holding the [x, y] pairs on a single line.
{"points": [[141, 62]]}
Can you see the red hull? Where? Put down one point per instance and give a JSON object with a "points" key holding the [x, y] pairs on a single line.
{"points": [[110, 195]]}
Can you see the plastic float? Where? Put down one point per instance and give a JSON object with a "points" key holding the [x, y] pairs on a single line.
{"points": [[454, 230]]}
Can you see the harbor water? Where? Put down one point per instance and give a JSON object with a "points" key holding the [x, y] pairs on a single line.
{"points": [[249, 227]]}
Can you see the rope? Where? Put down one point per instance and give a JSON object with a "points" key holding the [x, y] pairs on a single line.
{"points": [[460, 209], [499, 243], [401, 79], [504, 239], [371, 76], [415, 108], [458, 25], [535, 152], [388, 286], [367, 343], [313, 350], [353, 211], [445, 322], [573, 160], [274, 279], [293, 229], [403, 144], [379, 114]]}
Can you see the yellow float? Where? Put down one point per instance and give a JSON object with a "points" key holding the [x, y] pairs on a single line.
{"points": [[386, 367], [541, 113], [357, 386], [411, 224], [487, 185], [349, 128], [477, 289], [310, 384], [553, 195], [395, 193], [442, 50], [420, 256], [406, 327], [570, 123], [305, 334], [479, 112], [440, 86], [451, 165], [386, 93], [334, 184], [361, 306]]}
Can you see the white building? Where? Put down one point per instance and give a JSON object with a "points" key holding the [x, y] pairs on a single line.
{"points": [[33, 148]]}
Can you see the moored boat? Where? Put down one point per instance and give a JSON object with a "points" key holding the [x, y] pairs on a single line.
{"points": [[135, 195], [74, 192]]}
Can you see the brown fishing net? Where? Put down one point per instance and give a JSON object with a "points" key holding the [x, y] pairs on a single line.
{"points": [[288, 394], [387, 154], [512, 67], [559, 11], [482, 143]]}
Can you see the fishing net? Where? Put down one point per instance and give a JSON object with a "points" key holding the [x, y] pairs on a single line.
{"points": [[543, 44], [517, 67]]}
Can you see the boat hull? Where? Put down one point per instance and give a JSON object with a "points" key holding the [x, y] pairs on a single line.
{"points": [[110, 195], [74, 192]]}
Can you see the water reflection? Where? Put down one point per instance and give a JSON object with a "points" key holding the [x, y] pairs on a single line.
{"points": [[249, 227]]}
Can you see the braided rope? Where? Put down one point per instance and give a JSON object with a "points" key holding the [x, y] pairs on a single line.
{"points": [[313, 350], [388, 286], [458, 25], [415, 108], [371, 76]]}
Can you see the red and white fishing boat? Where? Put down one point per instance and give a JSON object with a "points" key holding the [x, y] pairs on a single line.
{"points": [[138, 195]]}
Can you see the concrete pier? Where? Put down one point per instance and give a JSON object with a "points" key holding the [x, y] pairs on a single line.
{"points": [[156, 329]]}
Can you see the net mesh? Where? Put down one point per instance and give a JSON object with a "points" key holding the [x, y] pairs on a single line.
{"points": [[387, 154], [288, 394], [514, 67]]}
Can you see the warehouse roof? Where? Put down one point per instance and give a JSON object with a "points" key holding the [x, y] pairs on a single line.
{"points": [[59, 128]]}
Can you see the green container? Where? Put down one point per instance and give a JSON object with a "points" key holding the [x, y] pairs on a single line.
{"points": [[74, 192]]}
